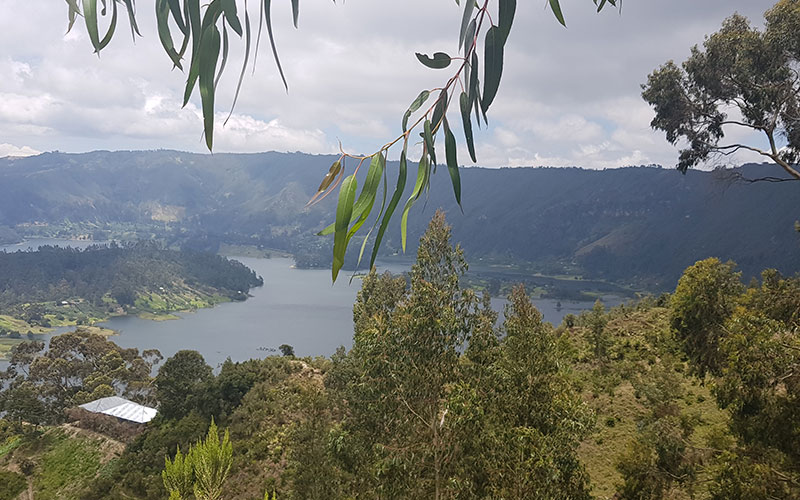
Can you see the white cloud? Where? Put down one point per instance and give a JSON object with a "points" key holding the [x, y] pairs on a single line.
{"points": [[568, 96], [12, 150]]}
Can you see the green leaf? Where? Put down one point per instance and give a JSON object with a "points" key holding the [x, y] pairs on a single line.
{"points": [[398, 193], [492, 66], [110, 33], [164, 34], [229, 9], [428, 136], [344, 210], [225, 46], [268, 19], [247, 39], [465, 105], [209, 54], [472, 87], [378, 218], [557, 12], [368, 194], [439, 111], [452, 162], [132, 18], [469, 6], [175, 8], [440, 60], [418, 102], [469, 38], [74, 12], [90, 18], [295, 11], [506, 17], [422, 173], [193, 10]]}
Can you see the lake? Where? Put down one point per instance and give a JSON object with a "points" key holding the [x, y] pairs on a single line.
{"points": [[299, 307]]}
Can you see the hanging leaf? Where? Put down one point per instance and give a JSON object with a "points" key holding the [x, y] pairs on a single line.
{"points": [[469, 6], [268, 19], [422, 172], [427, 135], [229, 9], [440, 60], [418, 102], [492, 66], [368, 194], [398, 193], [469, 38], [327, 180], [90, 18], [295, 11], [439, 110], [452, 162], [164, 34], [506, 18], [465, 105], [175, 9], [557, 12], [344, 210], [207, 66], [247, 37]]}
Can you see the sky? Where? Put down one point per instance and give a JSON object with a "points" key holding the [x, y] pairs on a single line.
{"points": [[568, 97]]}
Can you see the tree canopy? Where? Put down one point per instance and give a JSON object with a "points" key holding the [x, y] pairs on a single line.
{"points": [[742, 78]]}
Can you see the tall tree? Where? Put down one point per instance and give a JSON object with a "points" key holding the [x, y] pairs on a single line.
{"points": [[742, 79]]}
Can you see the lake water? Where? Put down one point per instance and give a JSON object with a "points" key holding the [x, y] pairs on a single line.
{"points": [[295, 306]]}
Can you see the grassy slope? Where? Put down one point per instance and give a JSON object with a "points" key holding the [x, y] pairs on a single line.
{"points": [[67, 460], [615, 402]]}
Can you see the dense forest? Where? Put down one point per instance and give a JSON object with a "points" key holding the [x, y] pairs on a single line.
{"points": [[56, 286], [640, 225], [692, 394]]}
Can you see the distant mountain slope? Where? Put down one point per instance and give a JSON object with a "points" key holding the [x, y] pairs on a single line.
{"points": [[641, 225]]}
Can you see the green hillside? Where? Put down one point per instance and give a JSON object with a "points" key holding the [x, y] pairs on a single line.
{"points": [[640, 225]]}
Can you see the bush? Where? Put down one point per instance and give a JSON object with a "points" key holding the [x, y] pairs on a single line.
{"points": [[12, 485], [104, 424]]}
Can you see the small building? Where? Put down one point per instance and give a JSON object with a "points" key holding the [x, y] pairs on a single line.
{"points": [[121, 408]]}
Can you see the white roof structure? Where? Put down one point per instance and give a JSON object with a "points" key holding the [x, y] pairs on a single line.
{"points": [[121, 408]]}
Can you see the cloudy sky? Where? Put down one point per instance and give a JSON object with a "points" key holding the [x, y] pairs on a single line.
{"points": [[568, 96]]}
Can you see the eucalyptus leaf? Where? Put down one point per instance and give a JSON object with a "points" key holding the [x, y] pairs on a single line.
{"points": [[466, 120], [452, 162], [418, 102], [554, 4], [469, 7], [209, 55], [398, 193], [440, 60], [492, 65], [344, 210]]}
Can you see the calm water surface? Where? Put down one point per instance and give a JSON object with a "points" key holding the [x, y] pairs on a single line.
{"points": [[295, 306]]}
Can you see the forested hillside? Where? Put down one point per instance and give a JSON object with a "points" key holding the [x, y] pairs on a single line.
{"points": [[641, 225], [688, 395], [60, 286]]}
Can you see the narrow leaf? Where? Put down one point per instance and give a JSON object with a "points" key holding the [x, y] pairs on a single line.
{"points": [[492, 66], [418, 102], [469, 38], [164, 34], [229, 9], [428, 136], [344, 210], [422, 172], [557, 12], [465, 106], [110, 33], [295, 11], [469, 6], [452, 162], [398, 193], [247, 40], [439, 111], [366, 199], [209, 55], [175, 8], [268, 19], [90, 18], [506, 17], [440, 60]]}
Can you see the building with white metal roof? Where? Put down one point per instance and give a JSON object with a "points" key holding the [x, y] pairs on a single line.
{"points": [[122, 409]]}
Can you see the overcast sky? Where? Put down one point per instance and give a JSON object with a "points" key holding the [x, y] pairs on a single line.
{"points": [[568, 96]]}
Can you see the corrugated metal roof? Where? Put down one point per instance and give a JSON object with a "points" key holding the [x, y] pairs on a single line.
{"points": [[121, 408]]}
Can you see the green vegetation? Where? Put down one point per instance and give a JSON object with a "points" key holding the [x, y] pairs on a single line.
{"points": [[12, 484], [689, 395], [742, 80], [57, 287]]}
